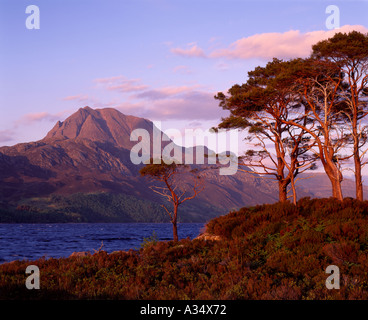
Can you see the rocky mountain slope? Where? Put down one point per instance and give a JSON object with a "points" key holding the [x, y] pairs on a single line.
{"points": [[90, 152]]}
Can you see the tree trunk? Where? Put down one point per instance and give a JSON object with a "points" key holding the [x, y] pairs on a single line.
{"points": [[336, 190], [292, 182], [283, 182], [282, 191], [358, 179], [175, 232], [174, 223], [356, 135], [358, 171], [335, 177], [333, 173]]}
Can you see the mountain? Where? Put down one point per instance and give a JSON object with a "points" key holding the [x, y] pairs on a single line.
{"points": [[107, 126], [90, 151]]}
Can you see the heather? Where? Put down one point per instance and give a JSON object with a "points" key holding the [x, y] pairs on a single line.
{"points": [[277, 251]]}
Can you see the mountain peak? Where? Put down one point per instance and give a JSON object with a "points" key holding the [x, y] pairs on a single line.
{"points": [[102, 125]]}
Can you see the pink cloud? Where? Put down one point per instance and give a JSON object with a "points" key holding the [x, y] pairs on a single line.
{"points": [[128, 87], [109, 79], [82, 99], [32, 118], [165, 92], [78, 97], [192, 51], [6, 135], [289, 44], [179, 89], [191, 102], [192, 105], [221, 66], [39, 116], [182, 70], [121, 84]]}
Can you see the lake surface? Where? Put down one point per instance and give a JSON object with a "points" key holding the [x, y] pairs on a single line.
{"points": [[56, 240]]}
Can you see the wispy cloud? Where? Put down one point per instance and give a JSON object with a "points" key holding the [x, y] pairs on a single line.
{"points": [[195, 124], [192, 105], [182, 69], [191, 102], [221, 66], [128, 86], [32, 118], [6, 135], [192, 51], [78, 97], [38, 116], [121, 84], [108, 80], [165, 92]]}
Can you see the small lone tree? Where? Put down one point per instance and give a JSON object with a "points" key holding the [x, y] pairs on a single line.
{"points": [[172, 186]]}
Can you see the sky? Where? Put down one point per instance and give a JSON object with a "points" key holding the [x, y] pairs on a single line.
{"points": [[163, 60]]}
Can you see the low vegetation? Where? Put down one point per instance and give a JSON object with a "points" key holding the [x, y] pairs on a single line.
{"points": [[278, 251]]}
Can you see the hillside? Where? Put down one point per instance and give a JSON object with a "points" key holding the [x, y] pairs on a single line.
{"points": [[89, 153]]}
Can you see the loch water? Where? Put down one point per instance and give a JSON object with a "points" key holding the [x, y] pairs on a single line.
{"points": [[56, 240]]}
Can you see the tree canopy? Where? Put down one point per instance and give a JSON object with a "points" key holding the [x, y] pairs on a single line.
{"points": [[172, 186], [305, 110]]}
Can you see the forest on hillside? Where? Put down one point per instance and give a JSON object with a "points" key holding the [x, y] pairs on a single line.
{"points": [[98, 207]]}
